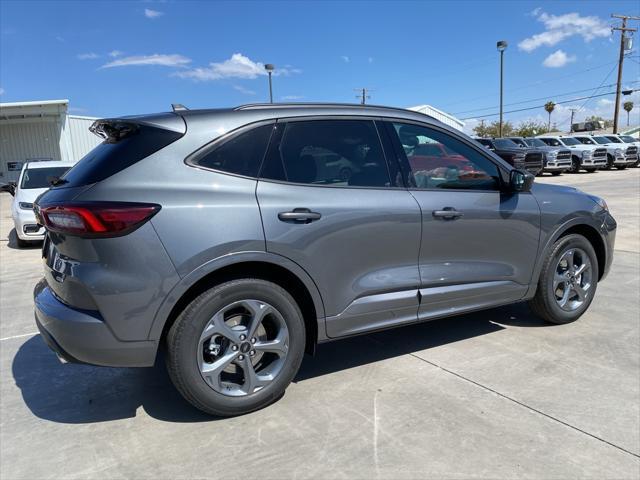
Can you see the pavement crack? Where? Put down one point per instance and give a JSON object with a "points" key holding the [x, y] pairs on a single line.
{"points": [[528, 407]]}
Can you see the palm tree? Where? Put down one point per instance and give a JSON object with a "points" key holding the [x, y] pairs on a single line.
{"points": [[549, 107], [628, 106]]}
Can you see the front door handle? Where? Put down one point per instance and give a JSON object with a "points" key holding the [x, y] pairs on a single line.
{"points": [[299, 215], [447, 213]]}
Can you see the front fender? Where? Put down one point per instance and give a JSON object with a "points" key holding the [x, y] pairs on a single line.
{"points": [[161, 316]]}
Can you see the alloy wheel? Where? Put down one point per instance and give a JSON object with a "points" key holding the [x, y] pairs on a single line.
{"points": [[243, 348], [572, 279]]}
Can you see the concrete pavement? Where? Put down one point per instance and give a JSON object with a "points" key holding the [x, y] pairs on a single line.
{"points": [[495, 394]]}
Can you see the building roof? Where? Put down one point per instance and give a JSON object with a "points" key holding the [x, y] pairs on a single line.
{"points": [[37, 109]]}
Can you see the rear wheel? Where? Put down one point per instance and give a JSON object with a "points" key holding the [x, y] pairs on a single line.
{"points": [[591, 170], [567, 282], [621, 167], [236, 347], [555, 174]]}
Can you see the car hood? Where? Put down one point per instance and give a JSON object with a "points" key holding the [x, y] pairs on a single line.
{"points": [[29, 195]]}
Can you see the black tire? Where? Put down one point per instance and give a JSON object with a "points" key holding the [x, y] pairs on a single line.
{"points": [[182, 345], [544, 303], [575, 165], [22, 243], [591, 170], [621, 167], [609, 164], [555, 174]]}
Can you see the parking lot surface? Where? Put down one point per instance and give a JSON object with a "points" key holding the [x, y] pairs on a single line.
{"points": [[495, 394]]}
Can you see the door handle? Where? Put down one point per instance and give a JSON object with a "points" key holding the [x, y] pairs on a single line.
{"points": [[299, 215], [447, 213]]}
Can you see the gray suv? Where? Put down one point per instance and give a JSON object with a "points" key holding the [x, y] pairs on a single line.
{"points": [[238, 239]]}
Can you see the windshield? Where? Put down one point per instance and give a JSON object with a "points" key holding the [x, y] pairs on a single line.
{"points": [[585, 140], [602, 140], [535, 142], [613, 140], [519, 142], [41, 177], [505, 143], [552, 141], [628, 139], [570, 141]]}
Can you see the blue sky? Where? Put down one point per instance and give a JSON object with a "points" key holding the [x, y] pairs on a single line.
{"points": [[121, 57]]}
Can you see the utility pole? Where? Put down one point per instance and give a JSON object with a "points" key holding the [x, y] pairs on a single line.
{"points": [[573, 112], [363, 94], [623, 29]]}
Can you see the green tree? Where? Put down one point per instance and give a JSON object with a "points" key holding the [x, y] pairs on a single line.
{"points": [[492, 129], [530, 128], [628, 106], [549, 107]]}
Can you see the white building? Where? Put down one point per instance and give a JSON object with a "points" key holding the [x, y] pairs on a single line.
{"points": [[41, 131], [445, 118]]}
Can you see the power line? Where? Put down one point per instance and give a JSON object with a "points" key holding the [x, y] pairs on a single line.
{"points": [[541, 106]]}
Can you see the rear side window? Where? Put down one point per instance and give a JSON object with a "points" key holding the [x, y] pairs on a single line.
{"points": [[344, 153], [241, 154], [116, 154]]}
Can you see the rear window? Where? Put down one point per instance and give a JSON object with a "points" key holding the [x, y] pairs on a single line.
{"points": [[41, 177], [116, 154]]}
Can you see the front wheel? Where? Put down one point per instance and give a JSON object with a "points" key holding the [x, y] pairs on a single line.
{"points": [[567, 282], [575, 165], [591, 170], [236, 347], [555, 174], [621, 167]]}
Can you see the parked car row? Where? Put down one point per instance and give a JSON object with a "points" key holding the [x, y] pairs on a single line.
{"points": [[557, 154]]}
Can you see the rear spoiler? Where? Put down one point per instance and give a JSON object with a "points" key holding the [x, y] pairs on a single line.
{"points": [[115, 129]]}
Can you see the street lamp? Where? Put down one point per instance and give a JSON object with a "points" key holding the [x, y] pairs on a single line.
{"points": [[502, 46], [269, 67]]}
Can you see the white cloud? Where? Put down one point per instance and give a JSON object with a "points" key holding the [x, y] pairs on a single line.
{"points": [[238, 66], [293, 97], [561, 27], [345, 59], [88, 56], [1, 91], [155, 59], [244, 90], [152, 13], [558, 59], [115, 53]]}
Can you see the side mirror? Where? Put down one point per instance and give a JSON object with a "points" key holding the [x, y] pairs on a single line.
{"points": [[520, 181]]}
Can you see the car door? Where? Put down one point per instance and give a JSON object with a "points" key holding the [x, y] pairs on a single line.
{"points": [[479, 244], [356, 234]]}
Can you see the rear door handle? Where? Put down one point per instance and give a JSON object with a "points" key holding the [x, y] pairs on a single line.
{"points": [[447, 213], [299, 215]]}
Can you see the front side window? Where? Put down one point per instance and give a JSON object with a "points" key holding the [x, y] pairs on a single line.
{"points": [[41, 177], [344, 153], [438, 160], [241, 155], [552, 142], [614, 140]]}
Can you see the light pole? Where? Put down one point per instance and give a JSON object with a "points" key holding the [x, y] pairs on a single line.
{"points": [[269, 67], [502, 46]]}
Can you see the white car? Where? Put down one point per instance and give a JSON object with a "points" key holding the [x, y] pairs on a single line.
{"points": [[35, 178], [628, 142], [615, 154], [586, 157]]}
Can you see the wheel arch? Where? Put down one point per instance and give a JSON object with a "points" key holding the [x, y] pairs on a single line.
{"points": [[265, 266], [578, 226]]}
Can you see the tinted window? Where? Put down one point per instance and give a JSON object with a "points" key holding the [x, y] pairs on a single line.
{"points": [[519, 142], [570, 141], [614, 140], [552, 141], [505, 143], [241, 154], [329, 152], [628, 138], [458, 165], [585, 140], [41, 177], [114, 155], [602, 140], [535, 142]]}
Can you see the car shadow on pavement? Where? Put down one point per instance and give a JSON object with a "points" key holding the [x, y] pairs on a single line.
{"points": [[88, 394], [13, 242]]}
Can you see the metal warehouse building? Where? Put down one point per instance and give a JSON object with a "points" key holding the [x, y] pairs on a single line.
{"points": [[41, 131], [444, 117]]}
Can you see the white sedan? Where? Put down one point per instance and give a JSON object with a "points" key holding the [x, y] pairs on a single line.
{"points": [[35, 178]]}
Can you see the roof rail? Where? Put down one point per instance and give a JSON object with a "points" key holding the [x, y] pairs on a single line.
{"points": [[257, 106]]}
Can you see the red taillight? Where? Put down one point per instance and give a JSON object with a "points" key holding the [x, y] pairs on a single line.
{"points": [[98, 219]]}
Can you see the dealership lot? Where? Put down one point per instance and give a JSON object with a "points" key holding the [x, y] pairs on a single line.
{"points": [[496, 394]]}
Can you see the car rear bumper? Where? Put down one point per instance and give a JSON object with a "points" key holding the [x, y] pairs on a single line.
{"points": [[81, 336], [26, 226]]}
